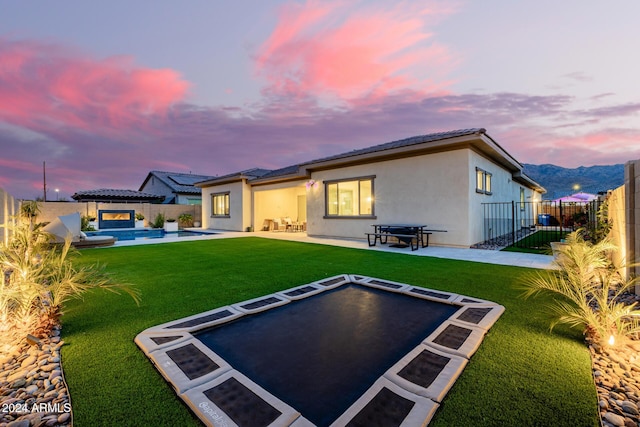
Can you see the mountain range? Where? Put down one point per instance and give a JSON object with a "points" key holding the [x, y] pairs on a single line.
{"points": [[560, 182]]}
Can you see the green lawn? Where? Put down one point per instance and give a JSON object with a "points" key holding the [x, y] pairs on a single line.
{"points": [[522, 375], [536, 243]]}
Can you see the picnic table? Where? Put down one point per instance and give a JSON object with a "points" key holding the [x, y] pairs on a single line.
{"points": [[413, 235]]}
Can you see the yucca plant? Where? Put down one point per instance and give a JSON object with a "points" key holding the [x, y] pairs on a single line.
{"points": [[37, 277], [586, 287]]}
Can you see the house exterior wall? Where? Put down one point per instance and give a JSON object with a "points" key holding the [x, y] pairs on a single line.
{"points": [[504, 189], [239, 207], [188, 199], [437, 189], [430, 189], [156, 186]]}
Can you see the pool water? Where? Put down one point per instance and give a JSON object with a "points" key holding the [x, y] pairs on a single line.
{"points": [[321, 353], [147, 233]]}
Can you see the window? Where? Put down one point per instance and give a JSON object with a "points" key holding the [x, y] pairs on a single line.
{"points": [[483, 181], [220, 204], [349, 198], [522, 198]]}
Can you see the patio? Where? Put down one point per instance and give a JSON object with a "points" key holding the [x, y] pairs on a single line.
{"points": [[462, 254]]}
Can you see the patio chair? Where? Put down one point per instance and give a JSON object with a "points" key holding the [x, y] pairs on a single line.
{"points": [[278, 225]]}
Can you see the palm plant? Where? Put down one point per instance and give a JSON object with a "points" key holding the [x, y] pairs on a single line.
{"points": [[588, 287], [29, 210], [36, 278]]}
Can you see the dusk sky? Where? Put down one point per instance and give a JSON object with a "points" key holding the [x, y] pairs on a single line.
{"points": [[107, 91]]}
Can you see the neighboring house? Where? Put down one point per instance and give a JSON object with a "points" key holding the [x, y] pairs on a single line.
{"points": [[441, 180], [178, 188], [109, 195]]}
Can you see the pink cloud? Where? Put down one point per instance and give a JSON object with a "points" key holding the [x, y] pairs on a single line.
{"points": [[541, 145], [336, 49], [43, 84]]}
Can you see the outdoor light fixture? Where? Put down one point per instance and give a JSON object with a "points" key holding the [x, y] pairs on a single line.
{"points": [[612, 340], [312, 183], [33, 340]]}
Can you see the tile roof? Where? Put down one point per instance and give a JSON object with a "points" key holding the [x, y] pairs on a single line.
{"points": [[414, 140], [114, 194], [420, 139]]}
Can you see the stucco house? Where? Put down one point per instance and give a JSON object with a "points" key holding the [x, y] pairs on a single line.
{"points": [[177, 188], [440, 179]]}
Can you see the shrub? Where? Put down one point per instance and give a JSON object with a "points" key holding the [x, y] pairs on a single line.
{"points": [[139, 216], [84, 223], [186, 220], [37, 278], [158, 221], [587, 287]]}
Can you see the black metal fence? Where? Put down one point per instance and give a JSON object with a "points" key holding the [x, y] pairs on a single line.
{"points": [[533, 225]]}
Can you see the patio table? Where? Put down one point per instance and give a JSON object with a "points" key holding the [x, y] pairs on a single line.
{"points": [[403, 232]]}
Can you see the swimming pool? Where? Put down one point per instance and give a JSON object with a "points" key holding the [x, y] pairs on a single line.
{"points": [[146, 233], [342, 350]]}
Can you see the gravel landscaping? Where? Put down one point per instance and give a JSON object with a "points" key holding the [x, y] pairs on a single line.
{"points": [[33, 391]]}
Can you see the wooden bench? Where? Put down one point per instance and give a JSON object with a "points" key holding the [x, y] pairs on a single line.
{"points": [[406, 238]]}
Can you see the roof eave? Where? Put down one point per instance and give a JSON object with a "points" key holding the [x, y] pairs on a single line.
{"points": [[221, 180], [302, 174], [524, 179]]}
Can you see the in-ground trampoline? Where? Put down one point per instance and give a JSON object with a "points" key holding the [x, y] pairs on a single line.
{"points": [[348, 350]]}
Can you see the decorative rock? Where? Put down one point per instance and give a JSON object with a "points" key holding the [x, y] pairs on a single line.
{"points": [[630, 407], [48, 368], [55, 373], [19, 383], [31, 376], [614, 419], [31, 389], [17, 375], [30, 360]]}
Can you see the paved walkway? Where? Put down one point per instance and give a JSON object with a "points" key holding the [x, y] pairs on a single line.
{"points": [[464, 254]]}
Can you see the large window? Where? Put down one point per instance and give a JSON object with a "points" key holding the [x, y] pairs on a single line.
{"points": [[349, 198], [483, 181], [220, 204]]}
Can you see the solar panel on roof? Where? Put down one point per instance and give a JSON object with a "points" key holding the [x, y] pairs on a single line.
{"points": [[186, 179]]}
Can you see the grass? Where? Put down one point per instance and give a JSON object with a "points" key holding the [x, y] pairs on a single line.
{"points": [[536, 243], [522, 374]]}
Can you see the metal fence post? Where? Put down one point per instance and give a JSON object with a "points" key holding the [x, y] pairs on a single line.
{"points": [[513, 222]]}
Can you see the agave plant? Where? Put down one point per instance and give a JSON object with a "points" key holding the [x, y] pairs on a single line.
{"points": [[587, 286], [36, 278]]}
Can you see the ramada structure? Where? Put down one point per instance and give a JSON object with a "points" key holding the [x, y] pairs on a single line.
{"points": [[441, 180]]}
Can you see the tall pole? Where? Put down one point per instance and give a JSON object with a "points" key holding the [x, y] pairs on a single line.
{"points": [[44, 179]]}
